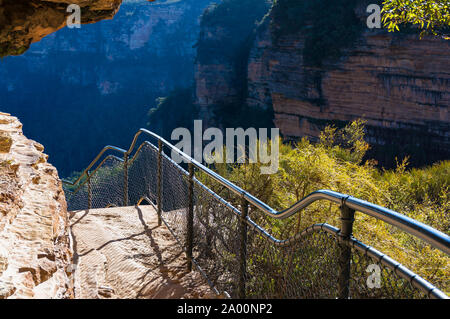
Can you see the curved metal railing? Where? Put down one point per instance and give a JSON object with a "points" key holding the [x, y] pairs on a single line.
{"points": [[95, 160], [432, 236], [348, 205]]}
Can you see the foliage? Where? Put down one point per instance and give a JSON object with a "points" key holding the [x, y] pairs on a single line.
{"points": [[7, 49], [72, 178], [336, 163], [430, 16]]}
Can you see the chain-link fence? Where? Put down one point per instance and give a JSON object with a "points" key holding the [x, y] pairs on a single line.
{"points": [[242, 252]]}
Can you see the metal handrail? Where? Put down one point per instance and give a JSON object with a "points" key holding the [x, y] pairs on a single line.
{"points": [[85, 172], [430, 235]]}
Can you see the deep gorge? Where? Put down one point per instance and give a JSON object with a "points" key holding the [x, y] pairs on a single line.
{"points": [[236, 63]]}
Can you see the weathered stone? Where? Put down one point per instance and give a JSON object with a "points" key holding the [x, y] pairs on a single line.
{"points": [[6, 289], [34, 234], [5, 143]]}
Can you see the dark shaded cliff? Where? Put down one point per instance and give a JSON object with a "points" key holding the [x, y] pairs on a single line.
{"points": [[225, 40]]}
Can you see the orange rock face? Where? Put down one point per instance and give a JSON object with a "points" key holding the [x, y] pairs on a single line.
{"points": [[35, 253], [399, 84], [390, 82]]}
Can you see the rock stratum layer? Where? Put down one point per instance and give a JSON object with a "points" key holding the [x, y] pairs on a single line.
{"points": [[399, 85], [35, 254]]}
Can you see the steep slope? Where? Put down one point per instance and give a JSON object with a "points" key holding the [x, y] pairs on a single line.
{"points": [[222, 53], [398, 83]]}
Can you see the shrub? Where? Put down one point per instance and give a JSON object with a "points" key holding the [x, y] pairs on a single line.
{"points": [[336, 163]]}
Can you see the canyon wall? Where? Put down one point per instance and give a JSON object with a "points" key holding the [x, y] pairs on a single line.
{"points": [[398, 83], [35, 253]]}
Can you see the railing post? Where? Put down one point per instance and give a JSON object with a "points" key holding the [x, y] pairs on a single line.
{"points": [[347, 218], [190, 219], [243, 248], [89, 190], [159, 182], [125, 179]]}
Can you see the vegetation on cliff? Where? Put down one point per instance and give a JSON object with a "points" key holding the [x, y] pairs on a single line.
{"points": [[236, 19], [226, 37], [6, 50]]}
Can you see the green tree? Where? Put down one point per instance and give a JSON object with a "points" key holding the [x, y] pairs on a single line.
{"points": [[430, 16]]}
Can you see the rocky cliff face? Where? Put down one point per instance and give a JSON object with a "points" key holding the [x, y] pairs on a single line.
{"points": [[397, 82], [35, 254]]}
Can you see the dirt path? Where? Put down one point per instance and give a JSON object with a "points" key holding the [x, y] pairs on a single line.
{"points": [[122, 253]]}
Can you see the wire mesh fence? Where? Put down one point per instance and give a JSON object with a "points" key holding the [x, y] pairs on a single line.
{"points": [[216, 244], [102, 189], [241, 251], [305, 268], [142, 177], [381, 283]]}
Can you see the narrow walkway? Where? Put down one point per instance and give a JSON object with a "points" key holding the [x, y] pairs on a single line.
{"points": [[122, 253]]}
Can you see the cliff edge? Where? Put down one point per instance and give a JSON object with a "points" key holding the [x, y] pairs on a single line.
{"points": [[35, 253]]}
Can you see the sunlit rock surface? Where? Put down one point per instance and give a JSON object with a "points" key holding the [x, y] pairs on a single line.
{"points": [[35, 253]]}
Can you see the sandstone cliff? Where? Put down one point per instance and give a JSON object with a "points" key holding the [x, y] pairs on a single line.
{"points": [[397, 82], [35, 254]]}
